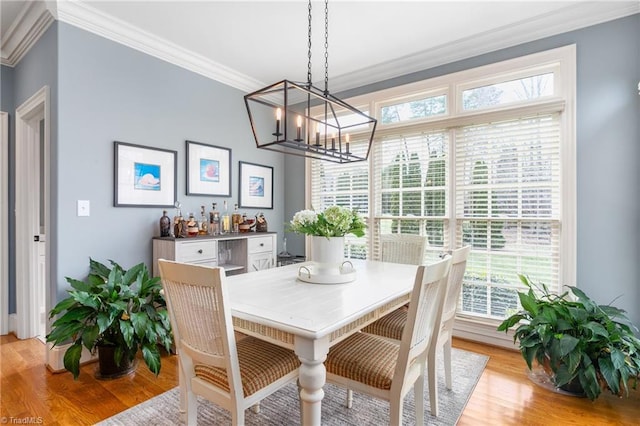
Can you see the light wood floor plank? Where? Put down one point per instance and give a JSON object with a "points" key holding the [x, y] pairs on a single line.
{"points": [[503, 396]]}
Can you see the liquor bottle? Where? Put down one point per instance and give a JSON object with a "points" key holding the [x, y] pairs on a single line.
{"points": [[236, 218], [178, 225], [225, 219], [165, 225], [214, 220], [244, 225], [192, 226], [203, 225]]}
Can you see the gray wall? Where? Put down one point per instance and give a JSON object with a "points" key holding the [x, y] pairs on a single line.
{"points": [[7, 105], [109, 92], [294, 186], [38, 68], [608, 152]]}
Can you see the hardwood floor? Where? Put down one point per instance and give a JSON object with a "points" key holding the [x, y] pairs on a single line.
{"points": [[503, 396]]}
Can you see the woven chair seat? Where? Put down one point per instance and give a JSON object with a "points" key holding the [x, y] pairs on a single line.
{"points": [[390, 325], [364, 358], [261, 363]]}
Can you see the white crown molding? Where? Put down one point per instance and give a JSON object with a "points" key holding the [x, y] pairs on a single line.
{"points": [[32, 21], [583, 14], [83, 16]]}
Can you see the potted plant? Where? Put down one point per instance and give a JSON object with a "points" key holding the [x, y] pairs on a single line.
{"points": [[116, 312], [334, 221], [327, 230], [579, 342]]}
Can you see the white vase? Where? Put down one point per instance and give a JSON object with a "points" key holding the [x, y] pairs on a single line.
{"points": [[328, 254]]}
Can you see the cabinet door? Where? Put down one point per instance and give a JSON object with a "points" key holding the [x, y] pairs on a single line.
{"points": [[258, 262]]}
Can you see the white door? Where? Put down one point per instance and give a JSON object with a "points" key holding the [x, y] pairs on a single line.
{"points": [[32, 204], [41, 302]]}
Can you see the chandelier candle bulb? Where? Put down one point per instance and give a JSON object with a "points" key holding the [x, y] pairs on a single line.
{"points": [[333, 142], [278, 117], [317, 134], [346, 138], [299, 128]]}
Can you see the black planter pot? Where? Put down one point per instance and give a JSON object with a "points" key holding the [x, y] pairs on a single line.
{"points": [[573, 388], [107, 367]]}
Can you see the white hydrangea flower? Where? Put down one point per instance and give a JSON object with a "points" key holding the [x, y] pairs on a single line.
{"points": [[304, 217]]}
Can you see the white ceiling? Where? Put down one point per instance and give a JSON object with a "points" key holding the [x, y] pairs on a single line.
{"points": [[262, 42]]}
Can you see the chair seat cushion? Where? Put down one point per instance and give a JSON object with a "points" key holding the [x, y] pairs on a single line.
{"points": [[390, 325], [364, 358], [261, 363]]}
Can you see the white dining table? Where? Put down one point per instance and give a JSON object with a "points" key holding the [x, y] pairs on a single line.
{"points": [[276, 306]]}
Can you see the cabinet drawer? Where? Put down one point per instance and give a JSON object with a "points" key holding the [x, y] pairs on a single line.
{"points": [[260, 244], [195, 251]]}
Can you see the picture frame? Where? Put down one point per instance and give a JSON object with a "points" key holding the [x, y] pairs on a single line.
{"points": [[144, 176], [208, 170], [255, 186]]}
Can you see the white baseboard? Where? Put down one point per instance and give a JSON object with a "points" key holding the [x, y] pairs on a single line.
{"points": [[13, 321], [483, 332], [55, 358]]}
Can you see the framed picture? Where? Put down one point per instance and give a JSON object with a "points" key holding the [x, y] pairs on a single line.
{"points": [[208, 170], [256, 186], [144, 176]]}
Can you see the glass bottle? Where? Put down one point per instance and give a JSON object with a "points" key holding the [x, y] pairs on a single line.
{"points": [[178, 224], [236, 218], [244, 226], [165, 225], [203, 225], [192, 226], [225, 219], [214, 220]]}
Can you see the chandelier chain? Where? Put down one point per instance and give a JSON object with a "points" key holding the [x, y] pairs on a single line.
{"points": [[326, 47], [309, 79]]}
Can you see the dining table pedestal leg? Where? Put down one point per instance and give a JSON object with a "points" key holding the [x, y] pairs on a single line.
{"points": [[311, 377]]}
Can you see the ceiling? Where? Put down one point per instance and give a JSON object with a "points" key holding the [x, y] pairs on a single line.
{"points": [[249, 44]]}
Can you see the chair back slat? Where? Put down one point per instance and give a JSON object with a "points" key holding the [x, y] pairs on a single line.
{"points": [[458, 266], [195, 298], [403, 248], [425, 311]]}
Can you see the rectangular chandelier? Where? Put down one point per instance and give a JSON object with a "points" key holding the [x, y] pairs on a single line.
{"points": [[300, 119]]}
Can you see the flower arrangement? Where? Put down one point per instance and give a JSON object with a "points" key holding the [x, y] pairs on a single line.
{"points": [[334, 221]]}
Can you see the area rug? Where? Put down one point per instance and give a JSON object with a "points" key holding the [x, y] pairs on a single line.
{"points": [[282, 407]]}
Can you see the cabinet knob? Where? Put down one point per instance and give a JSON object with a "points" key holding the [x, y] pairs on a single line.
{"points": [[200, 251]]}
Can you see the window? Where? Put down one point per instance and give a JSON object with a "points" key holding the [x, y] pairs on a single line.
{"points": [[335, 184], [507, 208], [488, 161], [411, 110], [410, 181], [519, 90]]}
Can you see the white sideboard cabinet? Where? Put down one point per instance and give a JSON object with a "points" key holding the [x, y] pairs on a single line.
{"points": [[236, 253]]}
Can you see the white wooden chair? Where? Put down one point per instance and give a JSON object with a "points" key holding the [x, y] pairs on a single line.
{"points": [[388, 370], [390, 326], [233, 375], [403, 248]]}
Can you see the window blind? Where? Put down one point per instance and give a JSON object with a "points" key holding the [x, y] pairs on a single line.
{"points": [[411, 188], [507, 205], [345, 185]]}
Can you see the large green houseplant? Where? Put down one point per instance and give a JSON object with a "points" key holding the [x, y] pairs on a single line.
{"points": [[578, 341], [118, 310]]}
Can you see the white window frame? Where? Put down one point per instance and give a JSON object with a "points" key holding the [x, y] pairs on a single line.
{"points": [[562, 61]]}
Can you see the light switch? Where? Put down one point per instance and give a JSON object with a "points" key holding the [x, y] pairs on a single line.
{"points": [[83, 207]]}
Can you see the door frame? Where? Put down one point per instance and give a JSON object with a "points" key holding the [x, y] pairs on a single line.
{"points": [[4, 222], [28, 115]]}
